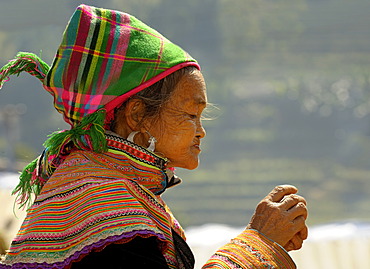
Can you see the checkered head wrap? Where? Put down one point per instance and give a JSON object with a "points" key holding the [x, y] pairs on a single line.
{"points": [[105, 57]]}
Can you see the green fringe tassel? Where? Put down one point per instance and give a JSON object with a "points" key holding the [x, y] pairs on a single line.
{"points": [[24, 61], [25, 188], [87, 135]]}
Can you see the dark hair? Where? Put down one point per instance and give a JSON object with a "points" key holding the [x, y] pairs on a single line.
{"points": [[155, 96]]}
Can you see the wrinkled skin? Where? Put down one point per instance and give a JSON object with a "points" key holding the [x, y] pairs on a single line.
{"points": [[178, 129], [281, 216]]}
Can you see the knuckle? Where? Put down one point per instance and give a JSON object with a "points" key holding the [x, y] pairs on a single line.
{"points": [[298, 198], [289, 199], [279, 188], [263, 205], [293, 198], [301, 205], [268, 206], [302, 200]]}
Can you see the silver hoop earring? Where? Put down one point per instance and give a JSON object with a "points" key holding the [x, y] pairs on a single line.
{"points": [[131, 136], [151, 140]]}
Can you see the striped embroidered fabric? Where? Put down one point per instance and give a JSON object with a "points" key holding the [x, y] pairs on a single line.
{"points": [[250, 250], [91, 201]]}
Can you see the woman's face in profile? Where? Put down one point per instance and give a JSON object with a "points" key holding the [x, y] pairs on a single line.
{"points": [[179, 129]]}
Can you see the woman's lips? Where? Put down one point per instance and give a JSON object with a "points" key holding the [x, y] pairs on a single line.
{"points": [[197, 146]]}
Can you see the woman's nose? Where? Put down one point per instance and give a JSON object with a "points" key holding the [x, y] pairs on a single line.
{"points": [[201, 132]]}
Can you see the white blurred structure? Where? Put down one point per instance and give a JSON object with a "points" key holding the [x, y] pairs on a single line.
{"points": [[11, 218], [343, 245]]}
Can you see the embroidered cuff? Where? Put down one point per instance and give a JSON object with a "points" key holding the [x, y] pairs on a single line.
{"points": [[251, 249]]}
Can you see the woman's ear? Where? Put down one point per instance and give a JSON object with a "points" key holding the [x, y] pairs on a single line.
{"points": [[129, 118], [133, 113]]}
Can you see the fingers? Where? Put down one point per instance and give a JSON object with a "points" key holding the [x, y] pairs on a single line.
{"points": [[295, 205], [280, 191], [294, 244], [304, 233], [297, 241], [289, 246], [291, 200], [299, 210]]}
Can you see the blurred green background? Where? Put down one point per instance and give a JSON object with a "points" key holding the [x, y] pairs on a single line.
{"points": [[290, 79]]}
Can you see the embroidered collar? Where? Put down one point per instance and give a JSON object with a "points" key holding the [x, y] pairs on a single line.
{"points": [[119, 145]]}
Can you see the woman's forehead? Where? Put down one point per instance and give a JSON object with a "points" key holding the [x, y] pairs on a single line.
{"points": [[191, 89]]}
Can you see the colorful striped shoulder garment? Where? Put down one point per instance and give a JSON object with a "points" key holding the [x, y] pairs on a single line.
{"points": [[96, 199]]}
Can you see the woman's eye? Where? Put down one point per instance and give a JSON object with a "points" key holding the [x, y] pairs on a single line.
{"points": [[193, 116]]}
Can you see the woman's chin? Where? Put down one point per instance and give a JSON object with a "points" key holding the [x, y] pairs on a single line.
{"points": [[191, 165]]}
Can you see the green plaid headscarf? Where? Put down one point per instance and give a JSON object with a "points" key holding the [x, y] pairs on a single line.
{"points": [[105, 57]]}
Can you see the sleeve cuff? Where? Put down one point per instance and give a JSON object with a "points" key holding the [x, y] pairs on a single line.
{"points": [[251, 249], [264, 248]]}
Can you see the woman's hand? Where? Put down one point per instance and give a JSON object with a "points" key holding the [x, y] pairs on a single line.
{"points": [[281, 216]]}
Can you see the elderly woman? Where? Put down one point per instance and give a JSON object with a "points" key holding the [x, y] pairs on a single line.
{"points": [[134, 101]]}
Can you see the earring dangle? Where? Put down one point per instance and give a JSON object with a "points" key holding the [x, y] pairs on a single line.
{"points": [[152, 142]]}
